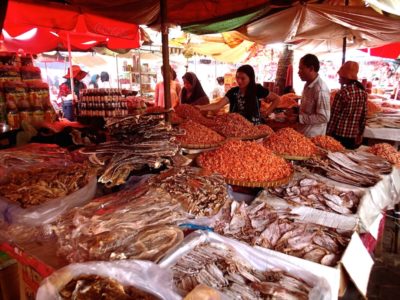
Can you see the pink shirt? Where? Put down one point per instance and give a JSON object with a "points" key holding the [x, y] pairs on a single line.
{"points": [[175, 89]]}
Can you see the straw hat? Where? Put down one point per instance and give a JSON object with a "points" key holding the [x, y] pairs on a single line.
{"points": [[349, 70], [77, 73]]}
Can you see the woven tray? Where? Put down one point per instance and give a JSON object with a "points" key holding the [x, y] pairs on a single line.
{"points": [[253, 184], [201, 146], [248, 138], [293, 157], [259, 184]]}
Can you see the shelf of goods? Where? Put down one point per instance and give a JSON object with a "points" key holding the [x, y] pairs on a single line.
{"points": [[23, 95], [102, 103]]}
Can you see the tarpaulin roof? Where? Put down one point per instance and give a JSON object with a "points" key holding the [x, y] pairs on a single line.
{"points": [[180, 12], [48, 27], [323, 23]]}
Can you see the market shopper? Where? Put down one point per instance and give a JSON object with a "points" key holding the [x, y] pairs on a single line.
{"points": [[245, 98], [68, 99], [218, 90], [192, 91], [175, 89], [349, 109], [314, 110]]}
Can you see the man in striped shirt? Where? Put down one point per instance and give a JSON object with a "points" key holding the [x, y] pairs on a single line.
{"points": [[349, 109]]}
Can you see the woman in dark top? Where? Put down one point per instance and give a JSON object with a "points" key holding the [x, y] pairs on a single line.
{"points": [[192, 91], [245, 98]]}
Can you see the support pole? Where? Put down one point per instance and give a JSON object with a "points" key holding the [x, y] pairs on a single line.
{"points": [[116, 65], [165, 54], [70, 67], [346, 3]]}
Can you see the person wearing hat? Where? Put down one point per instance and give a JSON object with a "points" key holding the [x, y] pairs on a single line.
{"points": [[65, 90], [349, 109]]}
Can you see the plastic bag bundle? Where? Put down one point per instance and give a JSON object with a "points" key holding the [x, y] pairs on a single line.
{"points": [[145, 278]]}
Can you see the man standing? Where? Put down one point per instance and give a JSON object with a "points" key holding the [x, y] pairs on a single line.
{"points": [[315, 107], [349, 109]]}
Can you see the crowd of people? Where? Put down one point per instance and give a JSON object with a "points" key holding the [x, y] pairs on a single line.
{"points": [[344, 119]]}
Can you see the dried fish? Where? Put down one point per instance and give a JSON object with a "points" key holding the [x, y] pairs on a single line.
{"points": [[282, 233], [220, 268]]}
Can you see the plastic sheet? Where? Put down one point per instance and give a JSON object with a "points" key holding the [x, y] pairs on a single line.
{"points": [[47, 212], [143, 275], [258, 260]]}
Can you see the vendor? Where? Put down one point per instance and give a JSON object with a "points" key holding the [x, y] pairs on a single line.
{"points": [[245, 98], [65, 90], [192, 91], [349, 110]]}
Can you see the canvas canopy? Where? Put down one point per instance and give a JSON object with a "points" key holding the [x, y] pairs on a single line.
{"points": [[324, 26], [39, 29]]}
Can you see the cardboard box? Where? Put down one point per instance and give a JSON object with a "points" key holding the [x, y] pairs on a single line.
{"points": [[9, 289]]}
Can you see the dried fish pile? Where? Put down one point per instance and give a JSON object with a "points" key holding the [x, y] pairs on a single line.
{"points": [[133, 224], [258, 224], [199, 194], [197, 134], [310, 192], [219, 267], [249, 161], [137, 129], [287, 141], [144, 141], [93, 287], [354, 168], [118, 160], [38, 185], [31, 155]]}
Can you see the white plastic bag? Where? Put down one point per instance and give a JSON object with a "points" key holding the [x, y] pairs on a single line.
{"points": [[143, 275], [47, 212], [258, 260]]}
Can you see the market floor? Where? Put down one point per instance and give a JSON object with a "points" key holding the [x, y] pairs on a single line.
{"points": [[384, 282]]}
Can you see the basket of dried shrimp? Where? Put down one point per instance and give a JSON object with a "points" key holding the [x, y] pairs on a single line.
{"points": [[197, 136], [291, 144], [246, 164]]}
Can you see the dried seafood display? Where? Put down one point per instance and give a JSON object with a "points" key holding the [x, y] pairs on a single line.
{"points": [[354, 168], [387, 152], [219, 267], [137, 129], [31, 155], [144, 141], [189, 112], [259, 224], [132, 224], [288, 142], [199, 193], [118, 160], [196, 134], [265, 129], [38, 185], [247, 161], [372, 109], [236, 126], [306, 191], [328, 143], [94, 287]]}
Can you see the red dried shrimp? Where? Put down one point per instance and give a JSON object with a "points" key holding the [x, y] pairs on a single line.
{"points": [[196, 133], [328, 143], [387, 152], [287, 141], [248, 161]]}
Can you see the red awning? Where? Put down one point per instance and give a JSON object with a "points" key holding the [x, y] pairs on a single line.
{"points": [[388, 51], [38, 29]]}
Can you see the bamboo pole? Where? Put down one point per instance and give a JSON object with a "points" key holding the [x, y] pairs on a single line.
{"points": [[165, 54]]}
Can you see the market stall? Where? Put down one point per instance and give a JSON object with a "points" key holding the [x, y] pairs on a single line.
{"points": [[306, 219], [275, 214]]}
